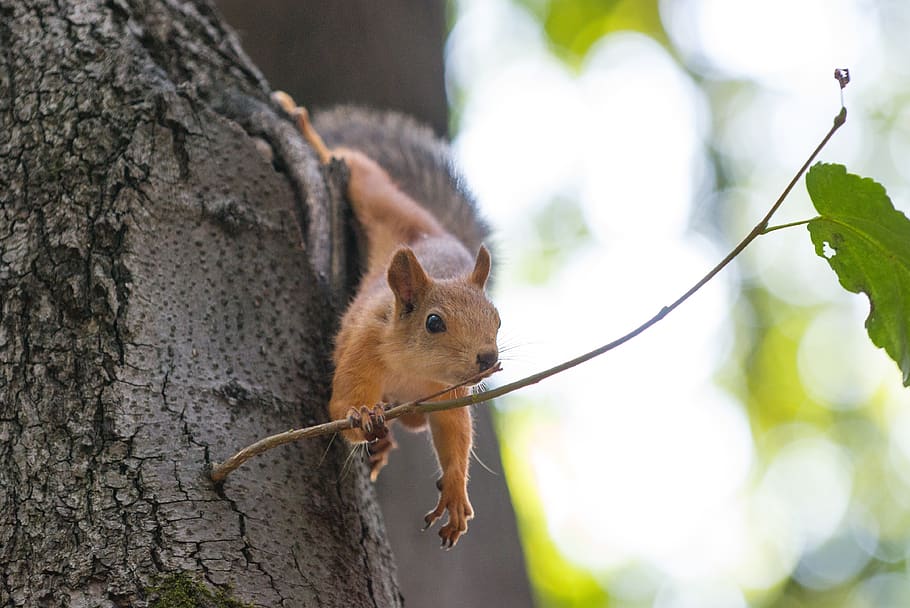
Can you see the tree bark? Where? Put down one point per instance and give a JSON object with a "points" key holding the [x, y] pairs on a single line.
{"points": [[157, 311]]}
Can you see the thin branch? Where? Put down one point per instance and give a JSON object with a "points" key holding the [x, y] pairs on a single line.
{"points": [[782, 226], [436, 406], [220, 471]]}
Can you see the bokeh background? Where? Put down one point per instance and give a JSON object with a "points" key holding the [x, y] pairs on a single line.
{"points": [[753, 449]]}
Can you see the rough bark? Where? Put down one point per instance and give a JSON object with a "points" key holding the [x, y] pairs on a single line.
{"points": [[156, 312]]}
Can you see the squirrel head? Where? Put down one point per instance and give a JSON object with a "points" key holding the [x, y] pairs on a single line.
{"points": [[443, 330]]}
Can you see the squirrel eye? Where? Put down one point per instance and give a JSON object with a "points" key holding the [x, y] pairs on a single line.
{"points": [[435, 324]]}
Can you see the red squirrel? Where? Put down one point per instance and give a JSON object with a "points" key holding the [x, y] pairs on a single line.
{"points": [[420, 321]]}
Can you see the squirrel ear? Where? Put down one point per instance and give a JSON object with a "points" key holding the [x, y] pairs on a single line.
{"points": [[481, 268], [407, 278]]}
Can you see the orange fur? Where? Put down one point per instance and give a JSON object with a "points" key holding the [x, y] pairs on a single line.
{"points": [[385, 350], [452, 438]]}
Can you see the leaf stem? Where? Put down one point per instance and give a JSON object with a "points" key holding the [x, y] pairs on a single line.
{"points": [[782, 226], [220, 471]]}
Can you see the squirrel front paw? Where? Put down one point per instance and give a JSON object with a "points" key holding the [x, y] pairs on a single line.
{"points": [[453, 497], [379, 454], [370, 420]]}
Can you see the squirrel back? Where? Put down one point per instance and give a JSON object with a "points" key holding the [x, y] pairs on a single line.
{"points": [[417, 160]]}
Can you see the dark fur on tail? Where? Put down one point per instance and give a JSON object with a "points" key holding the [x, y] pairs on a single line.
{"points": [[418, 161]]}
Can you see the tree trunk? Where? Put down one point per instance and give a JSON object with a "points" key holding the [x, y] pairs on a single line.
{"points": [[387, 54], [157, 312]]}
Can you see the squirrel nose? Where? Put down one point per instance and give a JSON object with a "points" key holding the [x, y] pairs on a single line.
{"points": [[487, 359]]}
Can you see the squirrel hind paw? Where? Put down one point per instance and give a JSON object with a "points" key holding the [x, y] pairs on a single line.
{"points": [[300, 114], [285, 101]]}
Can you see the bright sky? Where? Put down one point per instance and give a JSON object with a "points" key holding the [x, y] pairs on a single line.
{"points": [[643, 458]]}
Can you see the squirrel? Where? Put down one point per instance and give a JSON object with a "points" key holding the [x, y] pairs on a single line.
{"points": [[420, 321]]}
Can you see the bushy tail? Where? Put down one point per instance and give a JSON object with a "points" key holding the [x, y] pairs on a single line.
{"points": [[418, 161]]}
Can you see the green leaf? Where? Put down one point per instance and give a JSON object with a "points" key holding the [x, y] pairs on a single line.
{"points": [[867, 243]]}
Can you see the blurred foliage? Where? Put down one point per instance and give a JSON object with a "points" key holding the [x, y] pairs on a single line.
{"points": [[559, 230], [574, 26], [763, 372], [773, 391], [557, 582]]}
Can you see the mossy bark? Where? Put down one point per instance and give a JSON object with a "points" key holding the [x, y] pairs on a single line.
{"points": [[180, 590], [171, 261]]}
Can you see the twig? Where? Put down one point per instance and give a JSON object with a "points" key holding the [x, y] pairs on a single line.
{"points": [[839, 120], [220, 471]]}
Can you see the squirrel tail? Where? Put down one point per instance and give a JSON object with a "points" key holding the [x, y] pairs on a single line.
{"points": [[418, 161]]}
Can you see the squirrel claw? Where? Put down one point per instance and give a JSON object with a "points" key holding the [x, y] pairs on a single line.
{"points": [[371, 420], [429, 519], [450, 534]]}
